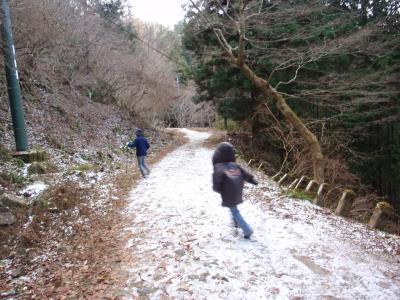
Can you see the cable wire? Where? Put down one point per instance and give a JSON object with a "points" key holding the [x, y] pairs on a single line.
{"points": [[120, 27]]}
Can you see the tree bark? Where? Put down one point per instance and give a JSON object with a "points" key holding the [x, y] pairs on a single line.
{"points": [[291, 117]]}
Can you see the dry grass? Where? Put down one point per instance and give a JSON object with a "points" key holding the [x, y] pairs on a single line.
{"points": [[67, 195], [216, 138], [176, 136]]}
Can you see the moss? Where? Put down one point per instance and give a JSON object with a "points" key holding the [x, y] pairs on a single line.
{"points": [[84, 167], [85, 156], [37, 168], [301, 195], [31, 156], [116, 129], [51, 167], [119, 166], [44, 203], [118, 151], [350, 192], [16, 178], [19, 162], [384, 205]]}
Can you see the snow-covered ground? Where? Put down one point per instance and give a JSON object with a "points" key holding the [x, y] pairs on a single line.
{"points": [[184, 245]]}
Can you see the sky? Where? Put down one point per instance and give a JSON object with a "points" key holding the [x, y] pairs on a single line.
{"points": [[165, 12]]}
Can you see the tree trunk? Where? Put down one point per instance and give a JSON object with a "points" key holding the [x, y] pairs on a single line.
{"points": [[364, 11], [262, 84], [291, 118]]}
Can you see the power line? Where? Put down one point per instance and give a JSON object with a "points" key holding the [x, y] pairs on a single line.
{"points": [[120, 27]]}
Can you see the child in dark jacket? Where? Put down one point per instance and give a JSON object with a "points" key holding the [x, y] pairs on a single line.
{"points": [[228, 180], [142, 145]]}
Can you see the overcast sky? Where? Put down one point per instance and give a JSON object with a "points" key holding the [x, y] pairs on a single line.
{"points": [[165, 12]]}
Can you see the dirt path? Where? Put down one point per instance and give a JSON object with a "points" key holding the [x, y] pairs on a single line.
{"points": [[185, 248]]}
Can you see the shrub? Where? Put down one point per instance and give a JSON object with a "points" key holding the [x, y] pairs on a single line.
{"points": [[220, 124], [19, 163]]}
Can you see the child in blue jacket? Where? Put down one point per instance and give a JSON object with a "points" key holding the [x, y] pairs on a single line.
{"points": [[141, 144], [228, 180]]}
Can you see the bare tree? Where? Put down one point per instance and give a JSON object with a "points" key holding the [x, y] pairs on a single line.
{"points": [[236, 14]]}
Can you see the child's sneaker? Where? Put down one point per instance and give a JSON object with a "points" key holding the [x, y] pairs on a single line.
{"points": [[247, 236]]}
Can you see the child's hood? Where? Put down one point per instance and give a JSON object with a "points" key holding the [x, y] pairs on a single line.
{"points": [[224, 153]]}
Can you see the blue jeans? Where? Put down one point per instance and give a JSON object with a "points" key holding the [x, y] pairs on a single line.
{"points": [[238, 219], [142, 166]]}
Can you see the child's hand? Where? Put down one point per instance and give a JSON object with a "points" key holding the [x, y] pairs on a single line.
{"points": [[253, 181]]}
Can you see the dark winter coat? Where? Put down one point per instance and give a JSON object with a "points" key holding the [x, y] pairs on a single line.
{"points": [[229, 177], [141, 145]]}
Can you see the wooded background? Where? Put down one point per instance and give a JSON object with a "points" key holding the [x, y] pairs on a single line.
{"points": [[337, 63]]}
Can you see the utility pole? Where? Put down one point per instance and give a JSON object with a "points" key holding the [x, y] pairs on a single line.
{"points": [[14, 92]]}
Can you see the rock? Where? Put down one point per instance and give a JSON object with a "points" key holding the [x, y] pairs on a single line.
{"points": [[17, 272], [145, 291], [37, 168], [319, 199], [158, 277], [203, 276], [183, 287], [27, 194], [382, 209], [3, 182], [345, 203], [8, 293], [31, 156], [21, 251], [6, 216], [12, 201], [180, 252]]}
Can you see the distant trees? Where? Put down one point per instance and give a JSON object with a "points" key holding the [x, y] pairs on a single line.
{"points": [[113, 9]]}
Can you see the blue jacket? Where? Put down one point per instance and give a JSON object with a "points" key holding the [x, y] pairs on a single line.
{"points": [[141, 145]]}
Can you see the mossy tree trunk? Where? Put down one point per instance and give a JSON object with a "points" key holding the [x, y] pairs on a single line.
{"points": [[238, 60], [290, 117]]}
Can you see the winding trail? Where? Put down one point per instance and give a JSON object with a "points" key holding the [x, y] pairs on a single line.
{"points": [[185, 246]]}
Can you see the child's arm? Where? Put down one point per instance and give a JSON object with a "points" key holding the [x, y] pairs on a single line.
{"points": [[247, 176], [217, 180], [132, 144]]}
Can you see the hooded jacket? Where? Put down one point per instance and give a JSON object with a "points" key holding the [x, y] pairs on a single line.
{"points": [[140, 143], [229, 177]]}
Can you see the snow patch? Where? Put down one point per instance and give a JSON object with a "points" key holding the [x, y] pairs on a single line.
{"points": [[34, 189]]}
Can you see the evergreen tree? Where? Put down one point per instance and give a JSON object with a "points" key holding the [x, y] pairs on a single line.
{"points": [[337, 64]]}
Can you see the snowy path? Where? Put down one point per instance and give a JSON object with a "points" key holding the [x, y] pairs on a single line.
{"points": [[186, 248]]}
